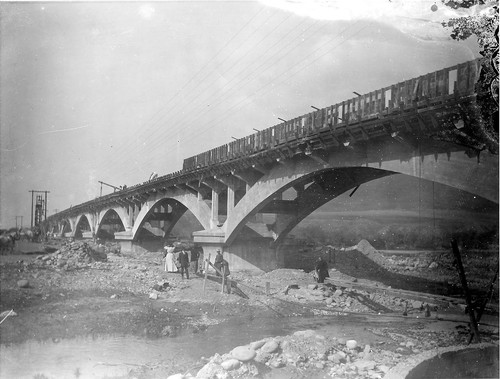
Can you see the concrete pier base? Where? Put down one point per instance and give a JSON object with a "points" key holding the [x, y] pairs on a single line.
{"points": [[249, 253]]}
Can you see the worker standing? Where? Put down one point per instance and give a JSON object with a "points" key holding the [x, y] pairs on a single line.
{"points": [[183, 259], [321, 270], [195, 255], [218, 262]]}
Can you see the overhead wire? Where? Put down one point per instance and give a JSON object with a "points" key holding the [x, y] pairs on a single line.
{"points": [[199, 133], [185, 121], [145, 131], [157, 142], [204, 130], [170, 131]]}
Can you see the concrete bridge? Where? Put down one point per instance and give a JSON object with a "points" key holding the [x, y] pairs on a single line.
{"points": [[287, 171]]}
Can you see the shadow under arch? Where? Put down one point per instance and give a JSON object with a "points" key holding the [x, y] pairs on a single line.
{"points": [[161, 219], [315, 190], [109, 224], [82, 225], [65, 227]]}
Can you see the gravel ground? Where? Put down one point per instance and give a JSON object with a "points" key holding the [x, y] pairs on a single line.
{"points": [[82, 289]]}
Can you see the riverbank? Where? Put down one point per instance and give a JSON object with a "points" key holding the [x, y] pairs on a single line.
{"points": [[82, 290]]}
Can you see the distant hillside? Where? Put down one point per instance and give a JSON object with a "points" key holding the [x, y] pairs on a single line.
{"points": [[399, 209], [408, 193]]}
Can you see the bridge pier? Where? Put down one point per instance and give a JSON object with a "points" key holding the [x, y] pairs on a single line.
{"points": [[245, 253]]}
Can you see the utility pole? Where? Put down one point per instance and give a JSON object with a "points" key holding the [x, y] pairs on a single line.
{"points": [[41, 206]]}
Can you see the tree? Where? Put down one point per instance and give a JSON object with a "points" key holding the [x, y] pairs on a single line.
{"points": [[482, 119]]}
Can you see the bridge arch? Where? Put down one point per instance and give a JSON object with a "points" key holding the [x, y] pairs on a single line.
{"points": [[110, 221], [319, 183], [82, 224], [178, 202]]}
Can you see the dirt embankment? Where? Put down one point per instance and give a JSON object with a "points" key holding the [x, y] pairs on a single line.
{"points": [[83, 289]]}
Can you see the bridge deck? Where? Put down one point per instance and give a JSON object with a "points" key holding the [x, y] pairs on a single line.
{"points": [[418, 105]]}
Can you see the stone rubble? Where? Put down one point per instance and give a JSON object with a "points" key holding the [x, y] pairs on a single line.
{"points": [[303, 351]]}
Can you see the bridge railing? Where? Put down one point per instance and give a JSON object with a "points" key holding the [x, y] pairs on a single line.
{"points": [[426, 90], [438, 86]]}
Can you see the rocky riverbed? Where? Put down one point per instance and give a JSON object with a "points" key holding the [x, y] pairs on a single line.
{"points": [[80, 289]]}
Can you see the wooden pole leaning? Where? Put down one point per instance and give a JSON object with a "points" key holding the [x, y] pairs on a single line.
{"points": [[223, 278], [207, 263], [468, 299]]}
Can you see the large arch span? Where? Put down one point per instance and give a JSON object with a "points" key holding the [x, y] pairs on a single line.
{"points": [[319, 181]]}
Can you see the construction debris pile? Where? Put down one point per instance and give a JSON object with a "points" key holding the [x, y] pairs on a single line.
{"points": [[353, 300], [76, 255], [329, 297]]}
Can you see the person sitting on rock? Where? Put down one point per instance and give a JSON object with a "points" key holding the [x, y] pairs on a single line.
{"points": [[321, 270]]}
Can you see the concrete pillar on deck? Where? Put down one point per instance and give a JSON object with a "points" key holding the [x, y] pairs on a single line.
{"points": [[214, 218], [230, 199], [131, 214]]}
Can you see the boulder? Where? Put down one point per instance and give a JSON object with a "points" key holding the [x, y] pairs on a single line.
{"points": [[351, 344], [304, 333], [230, 364], [23, 283], [270, 346], [212, 370], [257, 344], [243, 353], [276, 363]]}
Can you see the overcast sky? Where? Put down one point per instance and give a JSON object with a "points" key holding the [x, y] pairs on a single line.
{"points": [[112, 91]]}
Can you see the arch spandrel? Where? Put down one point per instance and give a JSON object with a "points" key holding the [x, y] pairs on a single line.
{"points": [[120, 211], [454, 169], [190, 202]]}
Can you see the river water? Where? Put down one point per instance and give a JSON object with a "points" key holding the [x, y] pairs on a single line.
{"points": [[108, 356]]}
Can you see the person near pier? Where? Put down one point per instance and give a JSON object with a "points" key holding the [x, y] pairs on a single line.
{"points": [[321, 270], [195, 256], [169, 259], [218, 262], [183, 259]]}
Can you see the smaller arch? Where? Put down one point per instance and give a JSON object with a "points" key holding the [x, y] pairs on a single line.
{"points": [[110, 222], [82, 225], [181, 201]]}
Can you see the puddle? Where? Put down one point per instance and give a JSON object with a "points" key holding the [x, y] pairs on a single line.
{"points": [[112, 356]]}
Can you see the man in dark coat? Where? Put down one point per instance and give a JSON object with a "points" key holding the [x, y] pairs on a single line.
{"points": [[183, 259], [321, 269], [218, 262], [195, 255]]}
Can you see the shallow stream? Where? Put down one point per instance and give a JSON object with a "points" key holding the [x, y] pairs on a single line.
{"points": [[110, 356]]}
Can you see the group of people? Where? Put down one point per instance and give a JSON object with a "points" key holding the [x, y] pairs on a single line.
{"points": [[182, 259]]}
